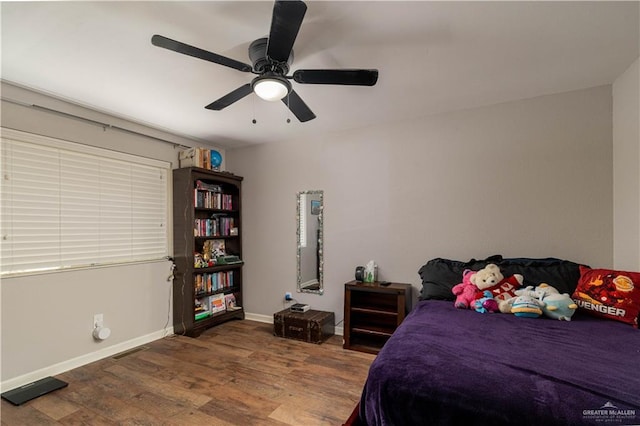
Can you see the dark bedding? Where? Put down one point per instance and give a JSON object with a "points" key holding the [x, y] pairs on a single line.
{"points": [[450, 366]]}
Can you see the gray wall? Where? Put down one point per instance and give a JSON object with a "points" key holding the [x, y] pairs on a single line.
{"points": [[527, 178], [626, 170], [47, 319]]}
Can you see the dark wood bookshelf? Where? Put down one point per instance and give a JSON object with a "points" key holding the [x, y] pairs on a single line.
{"points": [[185, 245]]}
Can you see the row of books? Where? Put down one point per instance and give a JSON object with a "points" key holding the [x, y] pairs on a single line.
{"points": [[206, 186], [209, 282], [214, 227], [208, 306], [204, 198]]}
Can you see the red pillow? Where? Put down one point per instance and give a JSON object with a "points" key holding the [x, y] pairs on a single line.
{"points": [[609, 294]]}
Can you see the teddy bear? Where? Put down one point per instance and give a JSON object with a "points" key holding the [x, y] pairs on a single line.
{"points": [[466, 292], [502, 288]]}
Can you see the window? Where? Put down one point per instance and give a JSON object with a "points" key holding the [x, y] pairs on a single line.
{"points": [[67, 205]]}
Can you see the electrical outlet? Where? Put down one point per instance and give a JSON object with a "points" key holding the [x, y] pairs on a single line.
{"points": [[288, 296], [98, 320]]}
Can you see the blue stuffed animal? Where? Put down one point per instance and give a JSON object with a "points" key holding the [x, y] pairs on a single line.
{"points": [[555, 305], [526, 307], [486, 303]]}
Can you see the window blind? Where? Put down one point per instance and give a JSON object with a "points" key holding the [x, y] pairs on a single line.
{"points": [[68, 205]]}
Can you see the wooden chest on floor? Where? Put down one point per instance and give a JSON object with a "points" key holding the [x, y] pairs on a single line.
{"points": [[311, 326]]}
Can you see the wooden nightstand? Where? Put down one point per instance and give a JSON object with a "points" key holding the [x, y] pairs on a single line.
{"points": [[372, 313]]}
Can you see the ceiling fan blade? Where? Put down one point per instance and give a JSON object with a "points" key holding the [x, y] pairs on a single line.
{"points": [[298, 107], [285, 24], [176, 46], [344, 77], [230, 98]]}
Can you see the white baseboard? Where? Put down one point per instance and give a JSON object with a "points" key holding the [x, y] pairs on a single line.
{"points": [[83, 360], [268, 319]]}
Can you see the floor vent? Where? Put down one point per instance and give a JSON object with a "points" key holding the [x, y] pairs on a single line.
{"points": [[130, 352]]}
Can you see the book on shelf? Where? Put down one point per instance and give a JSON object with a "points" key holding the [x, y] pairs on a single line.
{"points": [[201, 310], [212, 200], [217, 303], [202, 315], [215, 248], [210, 282], [213, 187], [230, 302], [216, 226]]}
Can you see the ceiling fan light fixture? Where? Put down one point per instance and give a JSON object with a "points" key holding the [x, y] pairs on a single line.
{"points": [[271, 88]]}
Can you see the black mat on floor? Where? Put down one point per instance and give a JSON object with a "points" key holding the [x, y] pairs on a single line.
{"points": [[33, 390]]}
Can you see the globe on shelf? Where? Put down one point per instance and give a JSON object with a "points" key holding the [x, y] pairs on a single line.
{"points": [[216, 159]]}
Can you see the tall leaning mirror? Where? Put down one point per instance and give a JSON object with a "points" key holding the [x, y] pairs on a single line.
{"points": [[310, 210]]}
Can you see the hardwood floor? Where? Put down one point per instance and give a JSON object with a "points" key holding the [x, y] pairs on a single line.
{"points": [[237, 373]]}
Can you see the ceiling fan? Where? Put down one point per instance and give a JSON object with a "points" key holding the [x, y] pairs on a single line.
{"points": [[271, 58]]}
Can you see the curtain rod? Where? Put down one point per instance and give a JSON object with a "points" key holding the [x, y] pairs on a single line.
{"points": [[104, 126]]}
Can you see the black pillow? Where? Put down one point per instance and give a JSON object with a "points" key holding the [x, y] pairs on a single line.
{"points": [[440, 275], [561, 274]]}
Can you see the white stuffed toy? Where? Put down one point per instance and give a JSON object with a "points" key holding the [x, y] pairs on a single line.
{"points": [[556, 305], [502, 289], [526, 307]]}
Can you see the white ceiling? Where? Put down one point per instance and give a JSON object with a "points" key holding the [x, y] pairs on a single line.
{"points": [[432, 57]]}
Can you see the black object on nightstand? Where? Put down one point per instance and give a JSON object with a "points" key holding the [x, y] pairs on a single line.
{"points": [[372, 312]]}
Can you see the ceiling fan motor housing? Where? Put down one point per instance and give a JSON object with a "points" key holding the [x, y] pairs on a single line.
{"points": [[261, 63], [271, 59]]}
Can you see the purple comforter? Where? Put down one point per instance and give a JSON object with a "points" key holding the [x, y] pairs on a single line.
{"points": [[449, 366]]}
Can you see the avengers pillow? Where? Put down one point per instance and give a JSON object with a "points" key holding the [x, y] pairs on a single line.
{"points": [[609, 294]]}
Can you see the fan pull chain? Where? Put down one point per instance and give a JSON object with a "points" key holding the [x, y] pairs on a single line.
{"points": [[288, 108], [253, 107]]}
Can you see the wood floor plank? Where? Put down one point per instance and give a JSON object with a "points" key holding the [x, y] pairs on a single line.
{"points": [[54, 406], [234, 405], [195, 417], [85, 417], [255, 382], [161, 387], [158, 405], [23, 415], [267, 361], [292, 415], [191, 373], [237, 373], [108, 406]]}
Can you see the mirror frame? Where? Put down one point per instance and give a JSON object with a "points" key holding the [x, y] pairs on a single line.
{"points": [[300, 289]]}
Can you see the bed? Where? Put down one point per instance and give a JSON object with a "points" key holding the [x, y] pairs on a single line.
{"points": [[452, 366]]}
